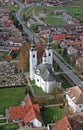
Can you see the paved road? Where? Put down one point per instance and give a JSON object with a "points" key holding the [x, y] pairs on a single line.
{"points": [[68, 72], [18, 15]]}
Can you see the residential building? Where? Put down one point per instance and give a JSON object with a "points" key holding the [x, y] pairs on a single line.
{"points": [[67, 123], [74, 97], [27, 114]]}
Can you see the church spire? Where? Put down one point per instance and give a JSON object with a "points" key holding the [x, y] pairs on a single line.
{"points": [[33, 47], [49, 40], [44, 58]]}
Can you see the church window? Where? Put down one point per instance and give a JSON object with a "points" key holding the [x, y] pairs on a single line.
{"points": [[80, 106], [33, 56], [38, 80]]}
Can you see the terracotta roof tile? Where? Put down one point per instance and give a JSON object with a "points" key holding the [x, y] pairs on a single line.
{"points": [[67, 124]]}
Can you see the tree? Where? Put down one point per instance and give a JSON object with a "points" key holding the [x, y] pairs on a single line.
{"points": [[24, 57]]}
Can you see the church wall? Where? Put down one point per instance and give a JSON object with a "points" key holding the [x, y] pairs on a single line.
{"points": [[38, 80]]}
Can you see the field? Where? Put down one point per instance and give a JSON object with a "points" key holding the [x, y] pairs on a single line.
{"points": [[76, 11], [9, 127], [53, 21], [11, 7], [51, 114], [10, 97]]}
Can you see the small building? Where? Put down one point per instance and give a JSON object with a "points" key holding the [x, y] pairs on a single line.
{"points": [[71, 50], [59, 12], [74, 97], [79, 63], [67, 123], [27, 114]]}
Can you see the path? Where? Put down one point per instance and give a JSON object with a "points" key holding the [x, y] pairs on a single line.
{"points": [[68, 72]]}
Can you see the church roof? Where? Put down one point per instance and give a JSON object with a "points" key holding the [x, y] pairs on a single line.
{"points": [[45, 71]]}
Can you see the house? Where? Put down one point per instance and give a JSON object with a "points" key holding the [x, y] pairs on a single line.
{"points": [[63, 44], [27, 114], [15, 42], [79, 62], [71, 50], [28, 1], [74, 97], [67, 123], [59, 12], [43, 73], [59, 37]]}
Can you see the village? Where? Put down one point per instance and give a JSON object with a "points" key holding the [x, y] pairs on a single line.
{"points": [[41, 65]]}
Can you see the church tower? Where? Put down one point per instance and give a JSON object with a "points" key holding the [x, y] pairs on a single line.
{"points": [[49, 52], [33, 59], [44, 58]]}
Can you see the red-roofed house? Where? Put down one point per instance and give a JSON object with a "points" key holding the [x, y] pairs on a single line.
{"points": [[28, 114], [67, 124], [28, 1], [58, 36]]}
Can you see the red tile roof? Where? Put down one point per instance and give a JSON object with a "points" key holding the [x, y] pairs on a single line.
{"points": [[27, 112], [58, 36], [67, 124], [75, 43]]}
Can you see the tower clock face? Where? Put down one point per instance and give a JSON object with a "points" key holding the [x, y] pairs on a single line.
{"points": [[38, 71]]}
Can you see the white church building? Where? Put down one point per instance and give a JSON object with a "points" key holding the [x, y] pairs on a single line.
{"points": [[43, 73]]}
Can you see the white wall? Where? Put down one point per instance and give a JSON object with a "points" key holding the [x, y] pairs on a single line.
{"points": [[71, 103], [75, 107], [46, 86], [36, 122]]}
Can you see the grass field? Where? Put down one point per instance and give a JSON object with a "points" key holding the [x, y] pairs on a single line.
{"points": [[9, 127], [53, 21], [51, 114], [10, 97], [76, 11], [11, 7]]}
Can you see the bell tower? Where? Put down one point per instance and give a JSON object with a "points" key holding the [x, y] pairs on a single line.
{"points": [[33, 59], [49, 52]]}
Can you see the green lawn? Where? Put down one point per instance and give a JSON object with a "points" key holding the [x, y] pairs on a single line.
{"points": [[9, 127], [53, 21], [51, 114], [63, 81], [11, 7], [49, 11], [37, 90], [11, 97]]}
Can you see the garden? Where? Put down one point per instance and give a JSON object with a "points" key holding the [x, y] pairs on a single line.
{"points": [[11, 97]]}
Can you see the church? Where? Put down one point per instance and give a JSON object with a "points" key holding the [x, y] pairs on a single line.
{"points": [[43, 73]]}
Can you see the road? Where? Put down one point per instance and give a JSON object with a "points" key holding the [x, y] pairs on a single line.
{"points": [[25, 29], [64, 68], [68, 72]]}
